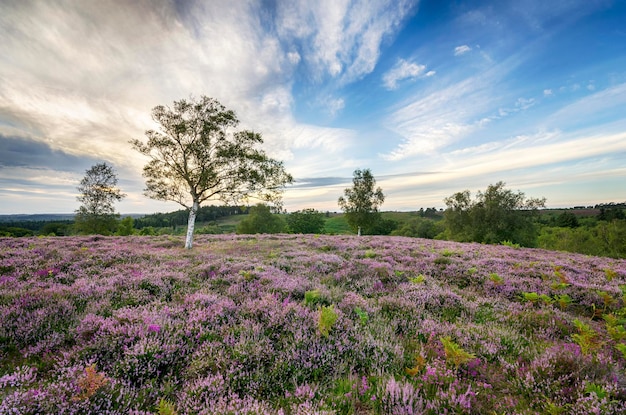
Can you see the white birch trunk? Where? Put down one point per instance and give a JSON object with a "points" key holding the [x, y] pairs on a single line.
{"points": [[191, 223]]}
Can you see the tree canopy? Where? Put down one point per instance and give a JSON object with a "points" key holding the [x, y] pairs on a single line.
{"points": [[261, 220], [306, 221], [495, 216], [195, 157], [98, 193], [361, 201]]}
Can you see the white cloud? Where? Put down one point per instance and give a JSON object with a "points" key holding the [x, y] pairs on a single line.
{"points": [[404, 70], [525, 103], [341, 38], [541, 152], [334, 105], [461, 50], [563, 158], [547, 92], [294, 57], [86, 84], [597, 105], [428, 124]]}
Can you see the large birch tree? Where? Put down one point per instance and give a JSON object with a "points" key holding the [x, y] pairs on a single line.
{"points": [[196, 156]]}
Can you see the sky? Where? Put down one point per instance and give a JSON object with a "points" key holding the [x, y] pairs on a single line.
{"points": [[434, 97]]}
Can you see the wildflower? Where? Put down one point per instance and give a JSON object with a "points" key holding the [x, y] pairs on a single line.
{"points": [[154, 328]]}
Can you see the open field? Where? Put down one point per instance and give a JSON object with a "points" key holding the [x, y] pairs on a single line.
{"points": [[302, 324]]}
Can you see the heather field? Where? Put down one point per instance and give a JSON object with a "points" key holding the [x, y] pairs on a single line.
{"points": [[308, 324]]}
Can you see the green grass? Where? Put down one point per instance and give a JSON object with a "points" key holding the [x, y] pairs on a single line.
{"points": [[228, 224], [337, 225]]}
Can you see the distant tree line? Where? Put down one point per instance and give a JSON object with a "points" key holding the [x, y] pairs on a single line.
{"points": [[180, 217]]}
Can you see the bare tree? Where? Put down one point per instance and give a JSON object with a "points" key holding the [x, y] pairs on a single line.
{"points": [[194, 157]]}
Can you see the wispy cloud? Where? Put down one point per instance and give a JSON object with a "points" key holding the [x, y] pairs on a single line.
{"points": [[428, 124], [341, 39], [597, 106], [461, 50], [538, 160], [403, 70]]}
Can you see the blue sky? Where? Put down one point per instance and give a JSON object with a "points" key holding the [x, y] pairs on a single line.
{"points": [[433, 96]]}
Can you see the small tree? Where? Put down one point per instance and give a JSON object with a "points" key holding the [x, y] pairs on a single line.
{"points": [[261, 220], [125, 226], [98, 193], [497, 215], [306, 221], [194, 158], [361, 201]]}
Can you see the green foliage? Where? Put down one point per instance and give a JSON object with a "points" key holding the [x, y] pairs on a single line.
{"points": [[312, 297], [206, 214], [567, 220], [12, 231], [363, 317], [261, 220], [553, 409], [210, 229], [337, 225], [615, 327], [588, 340], [530, 297], [417, 279], [361, 202], [546, 299], [510, 244], [443, 260], [306, 221], [600, 239], [384, 227], [495, 278], [563, 301], [455, 353], [598, 390], [610, 274], [327, 319], [55, 228], [611, 213], [166, 408], [125, 227], [420, 228], [98, 192], [622, 349], [496, 215]]}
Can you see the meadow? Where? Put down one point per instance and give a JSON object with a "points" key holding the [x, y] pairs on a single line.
{"points": [[304, 324]]}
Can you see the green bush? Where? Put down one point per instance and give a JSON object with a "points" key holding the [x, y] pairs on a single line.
{"points": [[261, 220]]}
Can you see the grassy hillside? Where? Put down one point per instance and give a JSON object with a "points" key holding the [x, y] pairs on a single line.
{"points": [[298, 324]]}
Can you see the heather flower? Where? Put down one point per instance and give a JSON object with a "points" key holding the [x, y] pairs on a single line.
{"points": [[154, 328], [225, 329]]}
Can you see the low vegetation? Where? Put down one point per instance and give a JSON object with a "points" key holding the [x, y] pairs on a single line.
{"points": [[305, 324]]}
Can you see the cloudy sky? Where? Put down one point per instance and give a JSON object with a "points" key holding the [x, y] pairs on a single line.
{"points": [[433, 96]]}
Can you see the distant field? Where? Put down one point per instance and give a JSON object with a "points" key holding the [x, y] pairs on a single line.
{"points": [[296, 324]]}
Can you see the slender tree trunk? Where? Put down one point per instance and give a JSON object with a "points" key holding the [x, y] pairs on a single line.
{"points": [[191, 223]]}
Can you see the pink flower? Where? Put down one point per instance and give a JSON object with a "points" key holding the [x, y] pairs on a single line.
{"points": [[155, 328]]}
